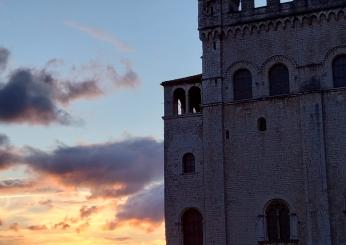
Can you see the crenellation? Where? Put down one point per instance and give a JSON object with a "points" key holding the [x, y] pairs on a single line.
{"points": [[248, 13]]}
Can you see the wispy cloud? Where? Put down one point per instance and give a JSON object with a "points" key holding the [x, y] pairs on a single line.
{"points": [[100, 35]]}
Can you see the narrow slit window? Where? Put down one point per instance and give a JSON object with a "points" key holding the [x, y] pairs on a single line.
{"points": [[188, 163], [262, 124]]}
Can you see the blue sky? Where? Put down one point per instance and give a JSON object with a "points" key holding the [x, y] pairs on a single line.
{"points": [[162, 33]]}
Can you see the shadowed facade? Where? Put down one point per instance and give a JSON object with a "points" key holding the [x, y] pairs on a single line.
{"points": [[255, 145]]}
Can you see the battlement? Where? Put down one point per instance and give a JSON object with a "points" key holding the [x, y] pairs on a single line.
{"points": [[217, 13]]}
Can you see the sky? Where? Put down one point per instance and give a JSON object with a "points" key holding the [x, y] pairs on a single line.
{"points": [[81, 134]]}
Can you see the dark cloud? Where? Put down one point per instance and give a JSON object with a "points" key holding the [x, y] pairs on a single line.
{"points": [[38, 96], [32, 96], [109, 170], [86, 212], [8, 155], [15, 183], [146, 206], [144, 209], [4, 55], [8, 158], [1, 223], [37, 227]]}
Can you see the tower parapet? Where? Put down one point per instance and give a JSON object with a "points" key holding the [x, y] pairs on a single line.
{"points": [[217, 13]]}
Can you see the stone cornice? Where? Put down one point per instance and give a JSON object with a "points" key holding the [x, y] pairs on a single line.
{"points": [[284, 23]]}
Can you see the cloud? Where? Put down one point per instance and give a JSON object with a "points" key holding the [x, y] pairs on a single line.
{"points": [[82, 227], [62, 226], [37, 227], [86, 212], [33, 96], [110, 170], [132, 168], [147, 206], [15, 227], [129, 80], [39, 96], [4, 55], [8, 158], [144, 210], [15, 184], [4, 141], [47, 203], [118, 239], [100, 35], [1, 222]]}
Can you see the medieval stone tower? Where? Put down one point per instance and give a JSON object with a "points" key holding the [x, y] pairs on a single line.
{"points": [[255, 147]]}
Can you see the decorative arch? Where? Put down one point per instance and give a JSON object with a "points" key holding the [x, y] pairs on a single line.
{"points": [[290, 64], [328, 75], [192, 227], [231, 72]]}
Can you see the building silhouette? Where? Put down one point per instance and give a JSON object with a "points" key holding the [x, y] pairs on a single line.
{"points": [[255, 146]]}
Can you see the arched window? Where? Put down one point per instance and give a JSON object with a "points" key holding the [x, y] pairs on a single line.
{"points": [[242, 81], [278, 222], [339, 71], [188, 163], [179, 101], [262, 124], [279, 81], [195, 100], [192, 226]]}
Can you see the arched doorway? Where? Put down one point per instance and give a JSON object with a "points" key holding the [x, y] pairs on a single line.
{"points": [[192, 222]]}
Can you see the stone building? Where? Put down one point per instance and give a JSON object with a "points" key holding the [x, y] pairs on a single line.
{"points": [[255, 146]]}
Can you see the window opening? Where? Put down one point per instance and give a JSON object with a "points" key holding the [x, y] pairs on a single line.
{"points": [[195, 100], [339, 71], [179, 101], [279, 80], [188, 163], [242, 81], [262, 124]]}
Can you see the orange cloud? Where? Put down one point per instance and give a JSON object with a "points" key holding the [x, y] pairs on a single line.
{"points": [[14, 227], [37, 227]]}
